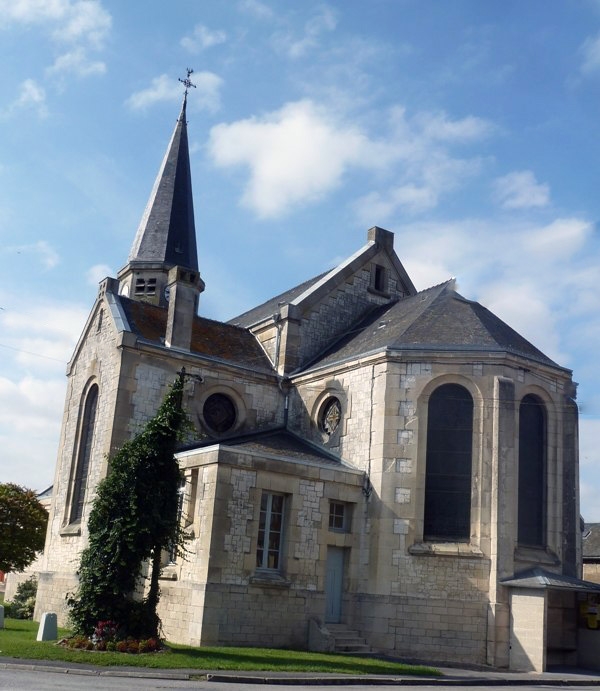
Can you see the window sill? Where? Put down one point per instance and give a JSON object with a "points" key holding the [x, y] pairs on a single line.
{"points": [[380, 293], [70, 530], [445, 549], [269, 579]]}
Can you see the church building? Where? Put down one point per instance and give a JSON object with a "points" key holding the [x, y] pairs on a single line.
{"points": [[371, 462]]}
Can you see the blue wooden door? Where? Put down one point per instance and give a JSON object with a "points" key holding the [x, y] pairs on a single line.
{"points": [[334, 579]]}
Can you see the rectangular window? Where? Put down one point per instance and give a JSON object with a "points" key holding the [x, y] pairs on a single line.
{"points": [[140, 286], [151, 286], [339, 517], [270, 531], [379, 278]]}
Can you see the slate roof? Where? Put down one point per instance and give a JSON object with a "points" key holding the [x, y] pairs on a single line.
{"points": [[591, 542], [434, 319], [278, 443], [211, 338], [540, 578], [167, 231], [270, 307]]}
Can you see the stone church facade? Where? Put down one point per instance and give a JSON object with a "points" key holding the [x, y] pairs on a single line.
{"points": [[400, 462]]}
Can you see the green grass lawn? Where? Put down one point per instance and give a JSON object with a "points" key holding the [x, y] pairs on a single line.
{"points": [[18, 640]]}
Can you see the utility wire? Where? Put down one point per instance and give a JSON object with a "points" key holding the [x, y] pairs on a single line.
{"points": [[28, 352]]}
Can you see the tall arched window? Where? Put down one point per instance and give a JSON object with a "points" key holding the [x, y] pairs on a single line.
{"points": [[86, 437], [532, 472], [448, 464]]}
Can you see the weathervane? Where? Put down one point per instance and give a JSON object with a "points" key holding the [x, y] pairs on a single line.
{"points": [[187, 82]]}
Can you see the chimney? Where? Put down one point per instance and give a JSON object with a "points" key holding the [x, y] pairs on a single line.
{"points": [[183, 288]]}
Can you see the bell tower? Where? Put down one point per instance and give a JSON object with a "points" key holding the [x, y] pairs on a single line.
{"points": [[166, 236]]}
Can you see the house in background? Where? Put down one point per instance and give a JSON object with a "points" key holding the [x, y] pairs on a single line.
{"points": [[591, 552], [369, 457]]}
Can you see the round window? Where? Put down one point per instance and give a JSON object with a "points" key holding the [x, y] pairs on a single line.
{"points": [[219, 413], [331, 414]]}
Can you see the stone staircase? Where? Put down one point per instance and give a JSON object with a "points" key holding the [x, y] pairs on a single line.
{"points": [[348, 641]]}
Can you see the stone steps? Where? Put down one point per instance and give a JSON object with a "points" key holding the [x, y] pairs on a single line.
{"points": [[348, 641]]}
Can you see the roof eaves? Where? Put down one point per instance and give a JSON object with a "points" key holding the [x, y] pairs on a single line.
{"points": [[202, 356], [340, 272]]}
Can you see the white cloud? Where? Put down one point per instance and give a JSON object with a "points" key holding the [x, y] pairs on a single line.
{"points": [[97, 273], [558, 240], [82, 25], [45, 253], [299, 153], [520, 190], [590, 51], [38, 338], [66, 20], [31, 97], [256, 8], [439, 127], [589, 460], [202, 38], [87, 21], [517, 271], [32, 413], [428, 169], [294, 154], [324, 19], [77, 62], [206, 96]]}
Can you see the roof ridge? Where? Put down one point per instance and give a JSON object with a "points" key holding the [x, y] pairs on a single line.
{"points": [[265, 303]]}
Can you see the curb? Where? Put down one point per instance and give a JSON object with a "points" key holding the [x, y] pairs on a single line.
{"points": [[310, 679]]}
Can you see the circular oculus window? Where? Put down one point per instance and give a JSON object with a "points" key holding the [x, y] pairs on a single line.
{"points": [[219, 413], [331, 414]]}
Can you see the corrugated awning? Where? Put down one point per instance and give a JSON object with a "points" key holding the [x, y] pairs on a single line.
{"points": [[540, 578]]}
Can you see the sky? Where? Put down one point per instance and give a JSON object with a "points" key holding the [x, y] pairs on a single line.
{"points": [[468, 128]]}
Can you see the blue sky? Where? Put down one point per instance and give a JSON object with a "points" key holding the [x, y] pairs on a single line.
{"points": [[468, 128]]}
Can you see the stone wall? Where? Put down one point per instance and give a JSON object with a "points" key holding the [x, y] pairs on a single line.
{"points": [[341, 308], [97, 361], [233, 601]]}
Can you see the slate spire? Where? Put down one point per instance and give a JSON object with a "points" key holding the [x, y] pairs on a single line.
{"points": [[167, 233], [164, 249]]}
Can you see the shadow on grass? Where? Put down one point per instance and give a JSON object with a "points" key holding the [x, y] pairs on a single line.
{"points": [[293, 660]]}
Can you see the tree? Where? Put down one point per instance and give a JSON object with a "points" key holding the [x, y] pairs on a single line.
{"points": [[23, 522], [133, 519]]}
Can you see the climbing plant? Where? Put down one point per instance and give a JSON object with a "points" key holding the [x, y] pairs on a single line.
{"points": [[133, 519]]}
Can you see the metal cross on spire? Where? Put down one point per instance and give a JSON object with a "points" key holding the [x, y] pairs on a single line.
{"points": [[187, 82]]}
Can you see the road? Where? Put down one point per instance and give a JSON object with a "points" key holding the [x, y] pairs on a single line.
{"points": [[49, 681]]}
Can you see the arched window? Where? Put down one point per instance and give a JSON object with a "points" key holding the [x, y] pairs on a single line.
{"points": [[84, 451], [448, 465], [532, 472]]}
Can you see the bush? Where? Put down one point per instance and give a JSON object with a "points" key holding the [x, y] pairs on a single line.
{"points": [[121, 647], [23, 603], [133, 647]]}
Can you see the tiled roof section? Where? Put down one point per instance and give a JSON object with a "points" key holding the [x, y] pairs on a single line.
{"points": [[211, 338], [167, 232], [434, 319], [591, 541], [270, 307], [540, 578], [279, 442]]}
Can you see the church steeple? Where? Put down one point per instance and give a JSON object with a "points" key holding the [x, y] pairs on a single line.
{"points": [[166, 236]]}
